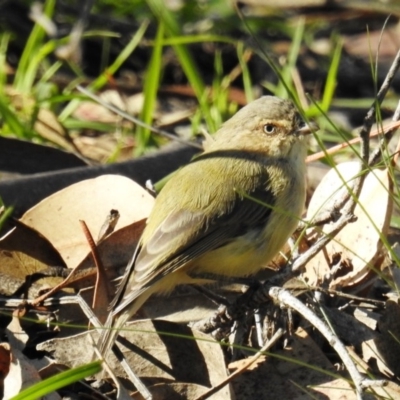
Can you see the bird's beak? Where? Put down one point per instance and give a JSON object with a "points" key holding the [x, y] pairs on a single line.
{"points": [[306, 129]]}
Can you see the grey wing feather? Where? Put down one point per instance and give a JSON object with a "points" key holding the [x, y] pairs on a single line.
{"points": [[209, 236]]}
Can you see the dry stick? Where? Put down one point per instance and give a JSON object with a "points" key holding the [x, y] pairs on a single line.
{"points": [[96, 323], [123, 393], [349, 296], [246, 365], [386, 130], [366, 128], [55, 289], [284, 297], [56, 301], [101, 273]]}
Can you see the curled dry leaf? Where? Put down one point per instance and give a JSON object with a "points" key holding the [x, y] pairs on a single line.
{"points": [[358, 247], [57, 217]]}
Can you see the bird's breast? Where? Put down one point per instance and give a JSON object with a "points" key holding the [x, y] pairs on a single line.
{"points": [[255, 248]]}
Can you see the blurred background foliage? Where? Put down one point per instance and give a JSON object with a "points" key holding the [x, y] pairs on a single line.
{"points": [[186, 65]]}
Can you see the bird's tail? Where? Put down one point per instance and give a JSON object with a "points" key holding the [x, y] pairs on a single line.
{"points": [[116, 321]]}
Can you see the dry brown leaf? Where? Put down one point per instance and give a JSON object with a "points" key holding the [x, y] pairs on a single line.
{"points": [[383, 42], [116, 249], [26, 240], [18, 269], [5, 361], [358, 246], [23, 253], [57, 217]]}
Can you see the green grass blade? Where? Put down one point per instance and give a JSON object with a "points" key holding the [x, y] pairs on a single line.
{"points": [[76, 124], [5, 39], [151, 84], [330, 84], [58, 381], [190, 39], [23, 80], [7, 212], [248, 87], [286, 82], [185, 58], [12, 122]]}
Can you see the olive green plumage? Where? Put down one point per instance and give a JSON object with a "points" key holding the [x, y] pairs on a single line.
{"points": [[205, 220]]}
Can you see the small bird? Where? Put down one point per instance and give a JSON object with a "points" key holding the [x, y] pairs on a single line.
{"points": [[227, 213]]}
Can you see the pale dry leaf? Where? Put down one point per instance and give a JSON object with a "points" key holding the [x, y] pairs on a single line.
{"points": [[57, 217], [22, 373], [383, 42], [357, 247], [49, 128], [390, 391], [90, 111]]}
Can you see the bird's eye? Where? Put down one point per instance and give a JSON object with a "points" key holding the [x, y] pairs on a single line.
{"points": [[269, 128]]}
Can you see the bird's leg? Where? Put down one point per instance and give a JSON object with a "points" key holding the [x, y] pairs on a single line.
{"points": [[221, 322], [214, 297]]}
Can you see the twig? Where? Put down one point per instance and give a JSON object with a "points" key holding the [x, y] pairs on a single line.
{"points": [[55, 289], [123, 394], [101, 277], [246, 365], [287, 299], [386, 130], [349, 296]]}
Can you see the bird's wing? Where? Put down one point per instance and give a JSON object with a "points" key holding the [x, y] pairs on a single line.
{"points": [[175, 233]]}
